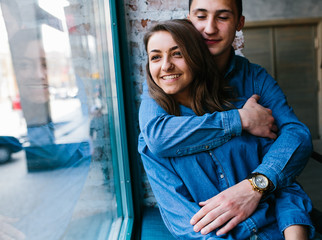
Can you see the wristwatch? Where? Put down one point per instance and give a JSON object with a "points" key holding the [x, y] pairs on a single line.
{"points": [[260, 182]]}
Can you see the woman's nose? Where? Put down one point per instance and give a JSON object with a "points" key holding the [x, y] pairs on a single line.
{"points": [[167, 65]]}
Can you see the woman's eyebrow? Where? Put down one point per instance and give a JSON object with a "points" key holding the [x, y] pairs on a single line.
{"points": [[174, 48], [158, 51], [155, 51]]}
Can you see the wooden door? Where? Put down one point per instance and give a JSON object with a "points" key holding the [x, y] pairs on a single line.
{"points": [[289, 55]]}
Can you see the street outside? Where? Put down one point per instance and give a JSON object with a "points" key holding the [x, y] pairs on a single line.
{"points": [[55, 204]]}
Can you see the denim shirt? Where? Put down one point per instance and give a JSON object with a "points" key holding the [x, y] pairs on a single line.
{"points": [[173, 136], [180, 183]]}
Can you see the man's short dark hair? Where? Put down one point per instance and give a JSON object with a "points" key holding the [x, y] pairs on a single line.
{"points": [[239, 5]]}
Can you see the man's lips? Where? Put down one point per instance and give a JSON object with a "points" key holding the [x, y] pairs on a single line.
{"points": [[211, 41]]}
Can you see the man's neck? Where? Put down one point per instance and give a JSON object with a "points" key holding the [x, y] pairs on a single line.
{"points": [[222, 61]]}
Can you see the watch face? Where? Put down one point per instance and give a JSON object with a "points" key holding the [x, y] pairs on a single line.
{"points": [[261, 181]]}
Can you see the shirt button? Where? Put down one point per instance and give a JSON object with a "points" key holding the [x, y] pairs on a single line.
{"points": [[254, 230], [207, 147], [222, 176], [210, 154]]}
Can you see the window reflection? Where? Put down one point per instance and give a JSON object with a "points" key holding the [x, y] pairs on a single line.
{"points": [[30, 67], [56, 106]]}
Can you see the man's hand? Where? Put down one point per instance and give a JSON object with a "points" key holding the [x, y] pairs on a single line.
{"points": [[231, 206], [257, 120]]}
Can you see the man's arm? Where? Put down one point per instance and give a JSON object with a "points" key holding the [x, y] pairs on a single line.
{"points": [[178, 200], [172, 136], [289, 154], [285, 160], [292, 207]]}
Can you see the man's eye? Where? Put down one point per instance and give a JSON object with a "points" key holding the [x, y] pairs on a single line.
{"points": [[44, 65], [25, 65], [201, 16], [223, 18]]}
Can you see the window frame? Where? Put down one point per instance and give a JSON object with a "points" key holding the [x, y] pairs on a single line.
{"points": [[123, 226]]}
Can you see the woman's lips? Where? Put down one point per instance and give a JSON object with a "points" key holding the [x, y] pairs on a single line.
{"points": [[170, 78]]}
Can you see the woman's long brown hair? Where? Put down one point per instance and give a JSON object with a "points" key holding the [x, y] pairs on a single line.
{"points": [[208, 90]]}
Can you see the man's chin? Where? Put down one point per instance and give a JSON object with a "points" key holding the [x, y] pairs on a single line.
{"points": [[219, 52], [215, 51]]}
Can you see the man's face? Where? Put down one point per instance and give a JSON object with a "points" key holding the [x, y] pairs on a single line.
{"points": [[31, 73], [217, 21]]}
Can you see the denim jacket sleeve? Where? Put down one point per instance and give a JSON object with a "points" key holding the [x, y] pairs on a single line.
{"points": [[173, 136], [290, 152], [292, 207]]}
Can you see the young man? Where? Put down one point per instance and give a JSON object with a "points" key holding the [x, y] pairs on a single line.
{"points": [[170, 136]]}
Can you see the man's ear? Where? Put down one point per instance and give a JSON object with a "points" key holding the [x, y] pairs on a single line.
{"points": [[188, 16], [241, 23]]}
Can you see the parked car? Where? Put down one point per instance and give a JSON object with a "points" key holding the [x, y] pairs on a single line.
{"points": [[8, 145]]}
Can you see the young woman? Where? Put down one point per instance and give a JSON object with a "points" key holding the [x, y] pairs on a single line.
{"points": [[182, 79]]}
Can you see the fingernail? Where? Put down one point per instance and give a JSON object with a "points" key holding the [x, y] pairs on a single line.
{"points": [[204, 231], [218, 233], [192, 222], [196, 229]]}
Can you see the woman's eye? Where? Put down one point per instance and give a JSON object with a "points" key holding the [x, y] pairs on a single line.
{"points": [[177, 54], [153, 58]]}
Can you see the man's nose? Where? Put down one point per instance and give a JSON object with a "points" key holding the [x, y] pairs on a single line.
{"points": [[41, 71], [167, 65], [211, 26]]}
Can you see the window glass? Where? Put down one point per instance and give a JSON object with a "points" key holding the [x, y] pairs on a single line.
{"points": [[58, 173]]}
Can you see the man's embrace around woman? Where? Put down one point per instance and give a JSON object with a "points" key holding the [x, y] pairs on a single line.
{"points": [[192, 144]]}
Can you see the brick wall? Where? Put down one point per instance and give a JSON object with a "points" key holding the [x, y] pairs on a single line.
{"points": [[141, 14]]}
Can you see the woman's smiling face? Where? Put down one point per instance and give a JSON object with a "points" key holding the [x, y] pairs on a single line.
{"points": [[168, 67]]}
